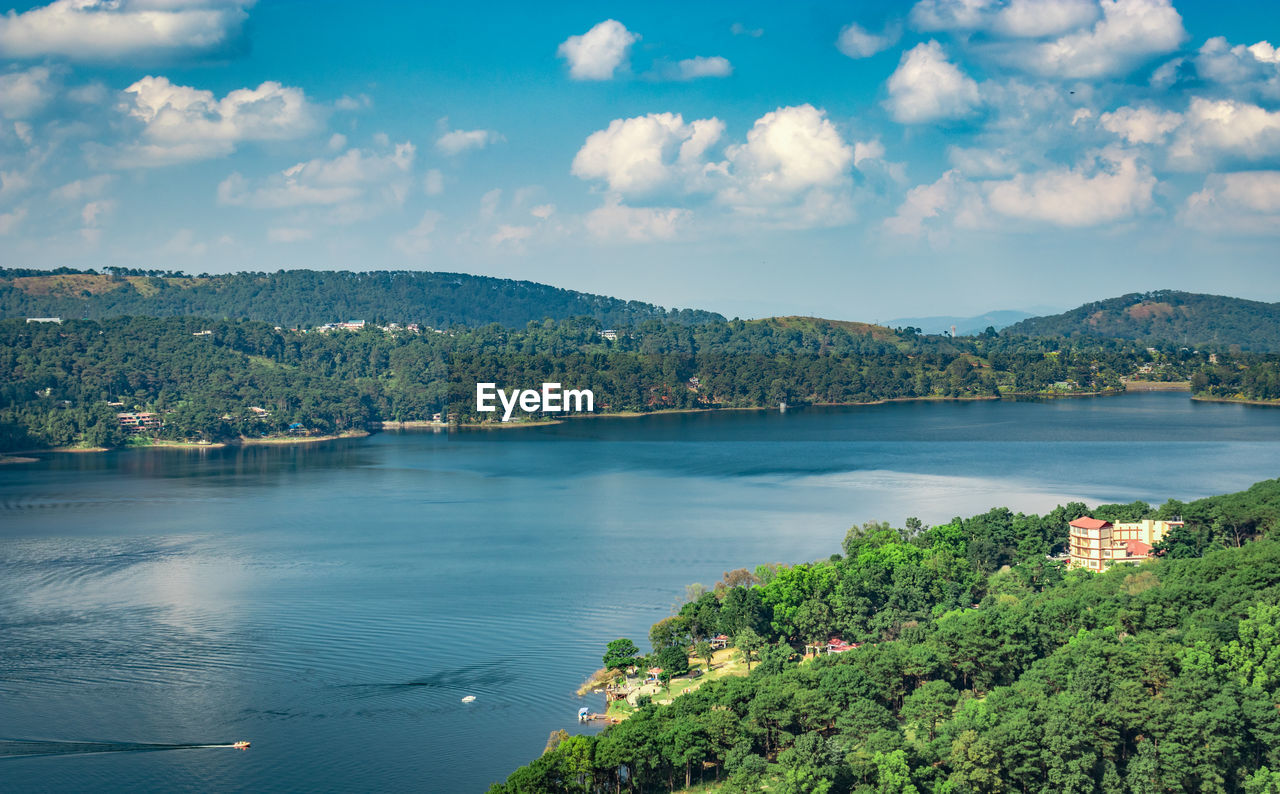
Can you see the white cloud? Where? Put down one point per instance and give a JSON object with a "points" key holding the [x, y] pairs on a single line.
{"points": [[108, 29], [739, 29], [351, 103], [1240, 202], [793, 168], [1109, 186], [1249, 70], [1037, 18], [13, 183], [700, 66], [510, 235], [616, 222], [337, 142], [10, 220], [433, 182], [344, 179], [857, 42], [924, 202], [455, 142], [287, 234], [489, 203], [867, 150], [979, 162], [931, 15], [94, 212], [180, 123], [789, 151], [1141, 124], [1112, 187], [647, 153], [1129, 33], [543, 211], [82, 189], [24, 93], [1225, 129], [598, 53], [418, 239], [927, 87]]}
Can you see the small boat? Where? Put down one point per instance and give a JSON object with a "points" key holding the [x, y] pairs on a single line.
{"points": [[468, 698], [241, 745]]}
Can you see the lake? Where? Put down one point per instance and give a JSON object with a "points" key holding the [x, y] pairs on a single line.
{"points": [[333, 603]]}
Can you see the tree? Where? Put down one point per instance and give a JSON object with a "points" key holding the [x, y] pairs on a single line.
{"points": [[1254, 658], [929, 705], [893, 775], [673, 660], [748, 644], [621, 653], [705, 652]]}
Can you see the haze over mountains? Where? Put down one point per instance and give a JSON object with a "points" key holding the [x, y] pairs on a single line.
{"points": [[965, 326], [301, 298]]}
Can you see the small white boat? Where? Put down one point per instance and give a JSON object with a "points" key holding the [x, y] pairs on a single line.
{"points": [[468, 698]]}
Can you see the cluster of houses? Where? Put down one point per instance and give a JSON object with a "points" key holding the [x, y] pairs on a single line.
{"points": [[360, 325], [1097, 545]]}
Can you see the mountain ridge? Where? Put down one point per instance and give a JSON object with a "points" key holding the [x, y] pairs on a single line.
{"points": [[314, 297]]}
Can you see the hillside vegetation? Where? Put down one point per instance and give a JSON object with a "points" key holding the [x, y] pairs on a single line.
{"points": [[984, 668], [307, 298], [1170, 317]]}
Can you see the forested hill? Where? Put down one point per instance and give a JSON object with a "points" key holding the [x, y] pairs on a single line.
{"points": [[304, 298], [1167, 316], [983, 667]]}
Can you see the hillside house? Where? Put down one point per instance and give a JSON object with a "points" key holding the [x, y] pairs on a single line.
{"points": [[137, 422], [1096, 544]]}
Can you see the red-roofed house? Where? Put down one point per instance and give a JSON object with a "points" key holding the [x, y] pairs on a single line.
{"points": [[1096, 544], [837, 645]]}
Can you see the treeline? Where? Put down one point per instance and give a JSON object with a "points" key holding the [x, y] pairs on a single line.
{"points": [[1153, 678], [58, 379], [308, 298], [1254, 377], [1167, 317]]}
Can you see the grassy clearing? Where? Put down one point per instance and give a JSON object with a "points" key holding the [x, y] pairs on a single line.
{"points": [[724, 663]]}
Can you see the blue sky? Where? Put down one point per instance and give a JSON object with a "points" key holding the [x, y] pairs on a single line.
{"points": [[851, 160]]}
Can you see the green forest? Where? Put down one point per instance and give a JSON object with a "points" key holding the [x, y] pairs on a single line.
{"points": [[309, 298], [1167, 316], [985, 667], [63, 384]]}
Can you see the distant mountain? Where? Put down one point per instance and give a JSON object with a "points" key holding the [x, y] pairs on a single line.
{"points": [[965, 326], [313, 297], [1167, 316]]}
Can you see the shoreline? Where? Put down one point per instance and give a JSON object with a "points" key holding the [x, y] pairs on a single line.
{"points": [[166, 443], [427, 424], [287, 440], [1236, 401], [1156, 385]]}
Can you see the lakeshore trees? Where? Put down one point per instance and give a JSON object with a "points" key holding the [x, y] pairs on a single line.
{"points": [[57, 380]]}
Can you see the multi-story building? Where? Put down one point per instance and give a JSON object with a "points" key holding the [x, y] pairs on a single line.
{"points": [[137, 422], [1096, 544]]}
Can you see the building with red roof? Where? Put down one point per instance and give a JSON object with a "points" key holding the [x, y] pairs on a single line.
{"points": [[1096, 544]]}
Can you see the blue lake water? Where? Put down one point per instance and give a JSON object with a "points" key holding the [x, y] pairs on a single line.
{"points": [[334, 603]]}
